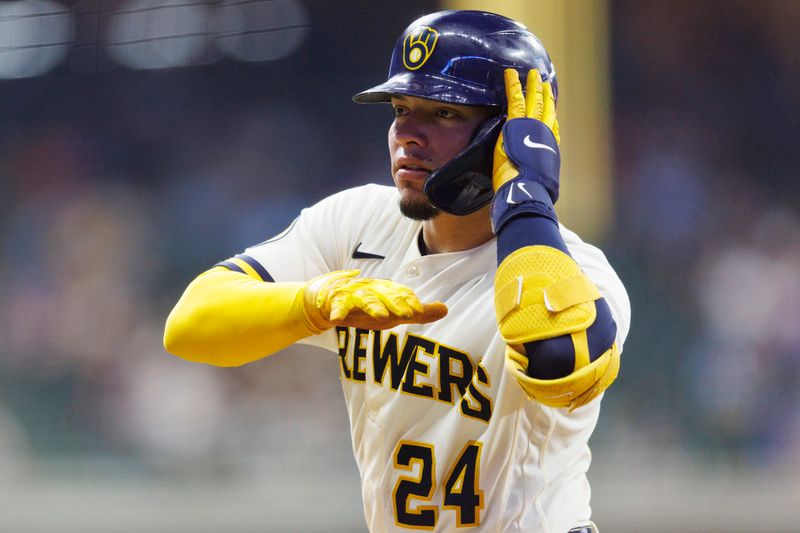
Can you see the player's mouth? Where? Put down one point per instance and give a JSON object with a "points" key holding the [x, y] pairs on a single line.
{"points": [[412, 170]]}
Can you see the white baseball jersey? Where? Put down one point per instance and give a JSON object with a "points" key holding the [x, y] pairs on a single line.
{"points": [[443, 435]]}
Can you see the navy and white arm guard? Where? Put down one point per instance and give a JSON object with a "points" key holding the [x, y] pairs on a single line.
{"points": [[559, 329]]}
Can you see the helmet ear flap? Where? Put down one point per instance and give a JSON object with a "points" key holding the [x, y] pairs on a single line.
{"points": [[464, 184]]}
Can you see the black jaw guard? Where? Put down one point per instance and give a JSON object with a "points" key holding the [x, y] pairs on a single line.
{"points": [[464, 184]]}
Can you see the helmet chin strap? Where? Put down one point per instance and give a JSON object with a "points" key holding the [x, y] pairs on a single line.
{"points": [[464, 184]]}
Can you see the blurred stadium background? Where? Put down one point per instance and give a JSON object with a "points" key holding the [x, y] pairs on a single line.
{"points": [[143, 140]]}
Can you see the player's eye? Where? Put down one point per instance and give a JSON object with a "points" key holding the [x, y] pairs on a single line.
{"points": [[445, 112], [399, 111]]}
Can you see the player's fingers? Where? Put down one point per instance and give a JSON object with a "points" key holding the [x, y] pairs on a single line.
{"points": [[341, 304], [398, 299], [533, 95], [360, 319], [331, 283], [410, 298], [500, 155], [516, 100], [405, 304], [548, 105], [555, 131], [394, 298], [370, 303], [398, 307]]}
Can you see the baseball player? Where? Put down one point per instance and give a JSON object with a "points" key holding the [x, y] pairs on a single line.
{"points": [[475, 334]]}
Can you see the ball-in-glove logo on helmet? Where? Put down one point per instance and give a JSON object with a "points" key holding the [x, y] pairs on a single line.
{"points": [[418, 46]]}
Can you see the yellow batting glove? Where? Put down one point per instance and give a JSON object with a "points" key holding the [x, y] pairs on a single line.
{"points": [[342, 299], [538, 103]]}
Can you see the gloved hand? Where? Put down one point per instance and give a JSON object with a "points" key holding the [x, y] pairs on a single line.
{"points": [[341, 299], [528, 149]]}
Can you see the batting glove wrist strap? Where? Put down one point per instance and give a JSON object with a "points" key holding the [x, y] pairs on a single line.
{"points": [[520, 197]]}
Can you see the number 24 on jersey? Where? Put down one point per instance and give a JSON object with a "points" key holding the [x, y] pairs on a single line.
{"points": [[461, 492]]}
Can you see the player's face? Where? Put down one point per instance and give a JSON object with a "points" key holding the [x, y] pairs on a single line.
{"points": [[425, 135]]}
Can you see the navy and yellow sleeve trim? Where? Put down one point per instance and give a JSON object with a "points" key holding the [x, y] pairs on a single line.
{"points": [[247, 265]]}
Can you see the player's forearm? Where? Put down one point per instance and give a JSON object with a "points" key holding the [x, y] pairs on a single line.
{"points": [[525, 228], [226, 318]]}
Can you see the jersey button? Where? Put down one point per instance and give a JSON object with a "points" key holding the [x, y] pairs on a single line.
{"points": [[412, 271]]}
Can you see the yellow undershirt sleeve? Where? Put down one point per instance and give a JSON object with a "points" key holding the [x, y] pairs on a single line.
{"points": [[227, 318]]}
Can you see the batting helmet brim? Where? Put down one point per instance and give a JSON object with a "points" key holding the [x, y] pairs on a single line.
{"points": [[454, 91]]}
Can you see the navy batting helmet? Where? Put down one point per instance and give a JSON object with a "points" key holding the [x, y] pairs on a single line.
{"points": [[459, 57]]}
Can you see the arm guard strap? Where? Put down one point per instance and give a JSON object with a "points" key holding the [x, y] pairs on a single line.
{"points": [[540, 293]]}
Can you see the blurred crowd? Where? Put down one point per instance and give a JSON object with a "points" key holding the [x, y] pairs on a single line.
{"points": [[706, 112], [117, 187]]}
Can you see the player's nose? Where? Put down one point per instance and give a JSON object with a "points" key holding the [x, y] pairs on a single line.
{"points": [[410, 131]]}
